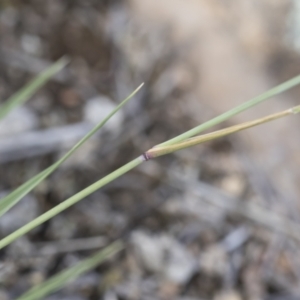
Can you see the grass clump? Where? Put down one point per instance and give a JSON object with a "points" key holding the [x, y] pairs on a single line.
{"points": [[182, 141]]}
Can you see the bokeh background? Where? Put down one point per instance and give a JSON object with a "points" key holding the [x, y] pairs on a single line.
{"points": [[219, 221]]}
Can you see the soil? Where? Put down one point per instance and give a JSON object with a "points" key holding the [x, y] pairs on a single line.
{"points": [[218, 221]]}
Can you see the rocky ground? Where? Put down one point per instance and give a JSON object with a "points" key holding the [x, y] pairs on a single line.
{"points": [[218, 221]]}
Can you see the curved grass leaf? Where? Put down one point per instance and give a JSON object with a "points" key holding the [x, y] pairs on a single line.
{"points": [[152, 153], [163, 150], [28, 90], [58, 281], [232, 112], [70, 201], [112, 176], [14, 197]]}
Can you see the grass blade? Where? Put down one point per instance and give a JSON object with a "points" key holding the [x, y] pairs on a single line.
{"points": [[58, 281], [28, 90], [70, 201], [134, 163], [154, 152], [163, 150], [225, 116], [11, 199]]}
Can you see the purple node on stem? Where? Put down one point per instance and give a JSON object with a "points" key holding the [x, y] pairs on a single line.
{"points": [[146, 156]]}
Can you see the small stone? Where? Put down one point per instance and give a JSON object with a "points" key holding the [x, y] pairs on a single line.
{"points": [[69, 98], [19, 120], [36, 278], [110, 295], [233, 184], [31, 44], [98, 108], [164, 255], [169, 290], [214, 261], [228, 295]]}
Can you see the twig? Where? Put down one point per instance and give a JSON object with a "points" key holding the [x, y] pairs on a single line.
{"points": [[40, 142]]}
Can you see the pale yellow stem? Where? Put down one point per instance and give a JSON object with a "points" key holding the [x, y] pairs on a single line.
{"points": [[162, 150]]}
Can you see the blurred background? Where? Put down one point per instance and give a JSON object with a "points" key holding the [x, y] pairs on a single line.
{"points": [[218, 221]]}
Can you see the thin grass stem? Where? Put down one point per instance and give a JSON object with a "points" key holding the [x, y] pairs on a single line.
{"points": [[225, 116], [163, 150], [14, 197], [156, 151], [28, 90], [69, 202], [62, 278]]}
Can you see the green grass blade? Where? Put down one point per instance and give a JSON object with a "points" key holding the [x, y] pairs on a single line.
{"points": [[11, 199], [163, 150], [102, 182], [225, 116], [28, 90], [70, 201], [58, 281]]}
